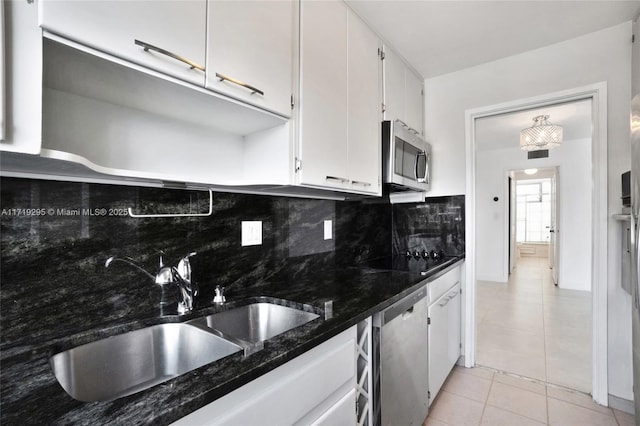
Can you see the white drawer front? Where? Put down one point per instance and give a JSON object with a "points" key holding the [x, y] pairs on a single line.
{"points": [[286, 394], [439, 286]]}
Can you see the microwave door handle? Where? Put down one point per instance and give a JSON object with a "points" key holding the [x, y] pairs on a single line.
{"points": [[420, 179], [427, 171]]}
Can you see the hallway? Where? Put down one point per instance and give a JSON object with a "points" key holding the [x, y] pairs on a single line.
{"points": [[531, 328]]}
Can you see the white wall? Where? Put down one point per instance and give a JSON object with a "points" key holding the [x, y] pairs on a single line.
{"points": [[601, 56], [573, 159]]}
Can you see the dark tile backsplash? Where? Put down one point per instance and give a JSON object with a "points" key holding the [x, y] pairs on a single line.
{"points": [[56, 236], [437, 224]]}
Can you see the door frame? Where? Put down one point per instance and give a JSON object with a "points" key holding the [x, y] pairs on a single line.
{"points": [[598, 94]]}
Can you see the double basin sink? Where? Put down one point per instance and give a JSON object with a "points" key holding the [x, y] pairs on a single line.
{"points": [[128, 363]]}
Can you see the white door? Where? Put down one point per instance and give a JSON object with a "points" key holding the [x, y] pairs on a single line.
{"points": [[364, 147], [172, 32], [553, 229], [323, 94], [251, 44]]}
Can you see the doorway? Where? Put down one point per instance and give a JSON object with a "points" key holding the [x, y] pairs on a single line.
{"points": [[491, 263], [528, 325]]}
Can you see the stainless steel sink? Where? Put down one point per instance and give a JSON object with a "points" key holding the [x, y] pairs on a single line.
{"points": [[256, 322], [122, 365]]}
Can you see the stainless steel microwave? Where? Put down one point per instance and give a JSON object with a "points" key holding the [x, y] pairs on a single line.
{"points": [[406, 157]]}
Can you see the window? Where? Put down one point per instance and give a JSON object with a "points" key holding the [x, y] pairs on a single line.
{"points": [[533, 210]]}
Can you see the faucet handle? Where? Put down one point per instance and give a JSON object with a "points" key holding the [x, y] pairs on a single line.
{"points": [[161, 261], [219, 297]]}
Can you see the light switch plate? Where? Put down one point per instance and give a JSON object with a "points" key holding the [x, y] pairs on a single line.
{"points": [[251, 233], [328, 229]]}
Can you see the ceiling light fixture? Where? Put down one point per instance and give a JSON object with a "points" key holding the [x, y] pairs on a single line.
{"points": [[542, 135], [530, 171]]}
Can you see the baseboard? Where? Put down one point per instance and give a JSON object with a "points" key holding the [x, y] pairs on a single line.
{"points": [[621, 404]]}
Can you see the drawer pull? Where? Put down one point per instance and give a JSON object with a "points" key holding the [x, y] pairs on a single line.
{"points": [[147, 47], [444, 302], [339, 179], [254, 90], [355, 182]]}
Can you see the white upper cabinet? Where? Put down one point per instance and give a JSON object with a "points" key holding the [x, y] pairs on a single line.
{"points": [[394, 87], [323, 94], [339, 128], [2, 79], [403, 92], [363, 106], [414, 101], [20, 78], [164, 35], [250, 51]]}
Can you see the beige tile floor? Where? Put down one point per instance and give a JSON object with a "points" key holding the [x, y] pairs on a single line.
{"points": [[531, 328], [483, 396]]}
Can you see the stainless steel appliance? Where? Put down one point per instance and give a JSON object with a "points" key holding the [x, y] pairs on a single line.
{"points": [[401, 364], [635, 253], [406, 157]]}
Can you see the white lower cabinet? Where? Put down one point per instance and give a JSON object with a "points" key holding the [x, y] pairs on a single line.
{"points": [[316, 388], [340, 414], [444, 328]]}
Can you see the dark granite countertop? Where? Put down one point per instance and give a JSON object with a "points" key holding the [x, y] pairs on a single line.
{"points": [[32, 395]]}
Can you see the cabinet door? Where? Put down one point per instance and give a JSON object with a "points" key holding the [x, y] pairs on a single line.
{"points": [[22, 78], [364, 144], [174, 27], [444, 338], [393, 86], [2, 79], [323, 94], [251, 43], [438, 346], [454, 325], [413, 101]]}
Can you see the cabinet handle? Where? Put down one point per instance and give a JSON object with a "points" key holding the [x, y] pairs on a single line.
{"points": [[446, 300], [147, 47], [403, 124], [254, 90], [339, 179], [628, 241], [412, 130], [356, 182]]}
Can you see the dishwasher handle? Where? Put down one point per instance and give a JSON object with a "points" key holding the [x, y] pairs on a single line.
{"points": [[402, 306]]}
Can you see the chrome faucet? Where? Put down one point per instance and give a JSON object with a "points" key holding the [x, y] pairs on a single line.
{"points": [[188, 289], [180, 275]]}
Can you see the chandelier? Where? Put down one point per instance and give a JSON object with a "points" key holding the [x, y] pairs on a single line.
{"points": [[542, 135]]}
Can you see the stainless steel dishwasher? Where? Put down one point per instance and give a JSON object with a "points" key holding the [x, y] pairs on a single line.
{"points": [[401, 368]]}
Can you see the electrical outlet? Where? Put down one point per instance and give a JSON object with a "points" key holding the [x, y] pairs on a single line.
{"points": [[328, 229], [251, 232]]}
